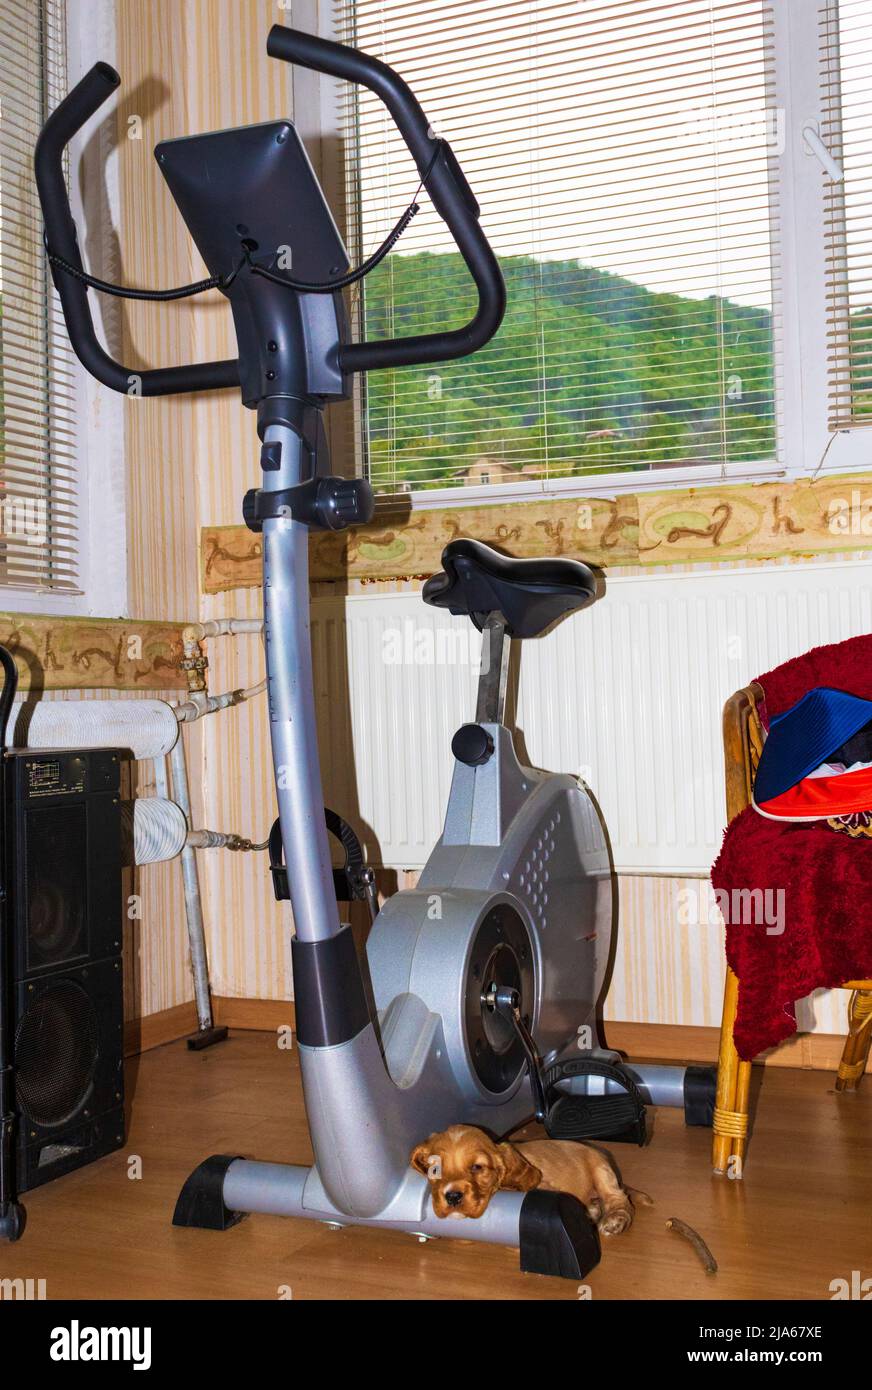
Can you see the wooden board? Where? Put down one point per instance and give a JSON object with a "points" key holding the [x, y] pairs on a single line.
{"points": [[758, 522], [754, 521], [93, 653], [409, 545]]}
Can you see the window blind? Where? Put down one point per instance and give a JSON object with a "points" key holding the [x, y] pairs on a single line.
{"points": [[846, 130], [621, 151], [38, 503]]}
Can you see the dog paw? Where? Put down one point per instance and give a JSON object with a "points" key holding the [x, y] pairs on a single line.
{"points": [[614, 1223]]}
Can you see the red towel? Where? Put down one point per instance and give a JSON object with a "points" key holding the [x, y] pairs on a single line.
{"points": [[825, 883], [815, 882]]}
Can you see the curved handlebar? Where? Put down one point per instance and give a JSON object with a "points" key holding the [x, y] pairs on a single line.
{"points": [[447, 186], [85, 98]]}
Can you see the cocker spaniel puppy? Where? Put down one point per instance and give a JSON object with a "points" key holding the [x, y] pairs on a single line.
{"points": [[465, 1168]]}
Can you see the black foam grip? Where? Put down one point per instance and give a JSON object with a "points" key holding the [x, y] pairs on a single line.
{"points": [[78, 106], [446, 183]]}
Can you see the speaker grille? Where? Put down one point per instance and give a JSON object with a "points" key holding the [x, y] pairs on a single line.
{"points": [[57, 870], [56, 1052]]}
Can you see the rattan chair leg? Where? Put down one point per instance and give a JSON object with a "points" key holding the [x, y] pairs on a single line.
{"points": [[856, 1051], [723, 1125]]}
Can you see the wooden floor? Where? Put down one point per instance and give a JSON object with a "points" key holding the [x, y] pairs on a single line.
{"points": [[799, 1220]]}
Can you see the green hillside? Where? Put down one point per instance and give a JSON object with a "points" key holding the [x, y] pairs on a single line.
{"points": [[589, 371]]}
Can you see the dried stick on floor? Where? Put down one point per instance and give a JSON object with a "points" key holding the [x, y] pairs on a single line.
{"points": [[710, 1264]]}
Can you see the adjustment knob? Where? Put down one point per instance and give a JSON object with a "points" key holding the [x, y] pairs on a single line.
{"points": [[249, 510], [343, 502], [472, 745]]}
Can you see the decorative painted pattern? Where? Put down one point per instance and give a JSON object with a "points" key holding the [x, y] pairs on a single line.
{"points": [[760, 521], [92, 653]]}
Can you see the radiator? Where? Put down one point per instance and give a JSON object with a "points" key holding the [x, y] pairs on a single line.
{"points": [[628, 695]]}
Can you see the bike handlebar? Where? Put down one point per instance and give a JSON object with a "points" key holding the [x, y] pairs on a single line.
{"points": [[452, 197], [81, 103], [445, 181]]}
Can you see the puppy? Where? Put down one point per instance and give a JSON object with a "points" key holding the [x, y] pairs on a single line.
{"points": [[465, 1168]]}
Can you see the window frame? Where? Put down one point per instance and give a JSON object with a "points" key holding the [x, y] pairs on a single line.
{"points": [[99, 445], [806, 447]]}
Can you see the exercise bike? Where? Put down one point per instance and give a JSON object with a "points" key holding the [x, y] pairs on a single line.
{"points": [[477, 985]]}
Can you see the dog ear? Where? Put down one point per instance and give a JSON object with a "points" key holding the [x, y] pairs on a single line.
{"points": [[421, 1158], [519, 1175]]}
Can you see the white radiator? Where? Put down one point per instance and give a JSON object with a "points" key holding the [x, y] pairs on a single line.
{"points": [[628, 694]]}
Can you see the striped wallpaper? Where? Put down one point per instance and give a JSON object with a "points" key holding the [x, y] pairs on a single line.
{"points": [[194, 65]]}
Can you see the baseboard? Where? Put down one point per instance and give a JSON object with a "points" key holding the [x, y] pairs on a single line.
{"points": [[673, 1042], [667, 1042], [142, 1034], [254, 1015]]}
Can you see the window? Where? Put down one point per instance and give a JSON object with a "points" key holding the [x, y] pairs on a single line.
{"points": [[38, 468], [622, 152], [846, 132]]}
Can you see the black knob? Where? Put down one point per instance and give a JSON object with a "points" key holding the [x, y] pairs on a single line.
{"points": [[343, 502], [472, 745], [249, 510]]}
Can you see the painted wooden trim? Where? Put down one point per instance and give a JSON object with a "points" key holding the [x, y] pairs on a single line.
{"points": [[409, 544], [53, 653], [753, 521]]}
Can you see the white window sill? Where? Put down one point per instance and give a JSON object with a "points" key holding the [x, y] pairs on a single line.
{"points": [[613, 485]]}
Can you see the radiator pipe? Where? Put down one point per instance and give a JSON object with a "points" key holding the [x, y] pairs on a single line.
{"points": [[193, 900], [194, 661]]}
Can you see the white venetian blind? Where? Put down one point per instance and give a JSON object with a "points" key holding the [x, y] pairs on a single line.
{"points": [[847, 132], [620, 150], [38, 537]]}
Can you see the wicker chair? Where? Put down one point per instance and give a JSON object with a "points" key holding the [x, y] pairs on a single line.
{"points": [[743, 742]]}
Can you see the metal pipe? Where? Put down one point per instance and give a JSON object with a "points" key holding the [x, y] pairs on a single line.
{"points": [[278, 1189], [199, 704], [193, 901], [496, 646], [293, 729]]}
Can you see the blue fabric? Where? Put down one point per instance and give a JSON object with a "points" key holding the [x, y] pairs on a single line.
{"points": [[805, 735]]}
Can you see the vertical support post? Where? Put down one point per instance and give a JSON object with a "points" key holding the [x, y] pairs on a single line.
{"points": [[290, 691], [193, 899], [492, 683]]}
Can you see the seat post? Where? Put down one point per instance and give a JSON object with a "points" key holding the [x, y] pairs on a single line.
{"points": [[496, 646]]}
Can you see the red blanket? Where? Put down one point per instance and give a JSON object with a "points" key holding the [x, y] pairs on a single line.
{"points": [[797, 899]]}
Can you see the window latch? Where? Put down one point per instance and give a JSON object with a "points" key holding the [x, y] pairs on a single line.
{"points": [[815, 145]]}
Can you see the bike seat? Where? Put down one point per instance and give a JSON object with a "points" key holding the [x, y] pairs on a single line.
{"points": [[530, 594]]}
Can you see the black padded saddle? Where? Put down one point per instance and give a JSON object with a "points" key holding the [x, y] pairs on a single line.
{"points": [[477, 581]]}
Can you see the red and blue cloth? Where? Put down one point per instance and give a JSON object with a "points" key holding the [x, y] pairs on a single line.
{"points": [[808, 769]]}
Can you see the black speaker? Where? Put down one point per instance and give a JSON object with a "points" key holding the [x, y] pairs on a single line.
{"points": [[63, 917]]}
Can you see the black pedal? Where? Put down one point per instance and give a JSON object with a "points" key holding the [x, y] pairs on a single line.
{"points": [[617, 1116]]}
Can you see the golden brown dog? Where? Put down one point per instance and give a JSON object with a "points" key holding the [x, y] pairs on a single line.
{"points": [[465, 1168]]}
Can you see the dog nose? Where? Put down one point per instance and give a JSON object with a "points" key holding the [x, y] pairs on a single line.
{"points": [[454, 1198]]}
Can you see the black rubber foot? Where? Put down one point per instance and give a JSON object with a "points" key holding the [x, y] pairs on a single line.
{"points": [[201, 1200], [12, 1222], [207, 1037], [700, 1084], [557, 1236]]}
